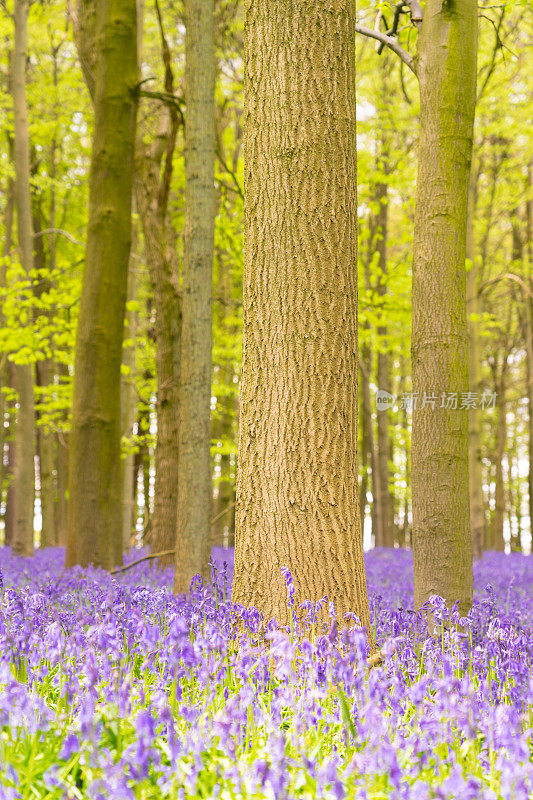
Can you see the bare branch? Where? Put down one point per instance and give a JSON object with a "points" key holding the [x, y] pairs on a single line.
{"points": [[58, 231], [415, 9], [139, 560], [391, 43], [507, 276]]}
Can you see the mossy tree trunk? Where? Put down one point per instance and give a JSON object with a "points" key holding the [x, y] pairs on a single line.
{"points": [[446, 67], [24, 434], [297, 487], [95, 499], [194, 476]]}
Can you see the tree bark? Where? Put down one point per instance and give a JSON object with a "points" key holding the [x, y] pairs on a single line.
{"points": [[24, 436], [477, 515], [194, 478], [94, 515], [297, 487], [442, 545]]}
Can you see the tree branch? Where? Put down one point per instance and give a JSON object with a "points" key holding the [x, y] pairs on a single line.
{"points": [[391, 43]]}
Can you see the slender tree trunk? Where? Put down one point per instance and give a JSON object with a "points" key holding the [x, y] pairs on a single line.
{"points": [[94, 516], [45, 377], [528, 321], [9, 211], [366, 363], [62, 488], [164, 277], [477, 517], [194, 477], [501, 436], [297, 497], [442, 545], [383, 374], [128, 410], [24, 437]]}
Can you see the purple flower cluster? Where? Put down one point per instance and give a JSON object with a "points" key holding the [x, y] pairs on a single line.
{"points": [[116, 688]]}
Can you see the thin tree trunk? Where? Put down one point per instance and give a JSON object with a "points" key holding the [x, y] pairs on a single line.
{"points": [[45, 377], [366, 363], [383, 373], [477, 517], [9, 211], [128, 410], [94, 515], [501, 436], [62, 488], [194, 478], [442, 545], [164, 277], [297, 497], [24, 437]]}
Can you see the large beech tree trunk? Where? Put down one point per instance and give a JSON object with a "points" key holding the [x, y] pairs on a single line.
{"points": [[442, 546], [24, 435], [94, 516], [297, 491], [194, 476]]}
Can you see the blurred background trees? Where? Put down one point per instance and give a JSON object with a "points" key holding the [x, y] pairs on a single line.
{"points": [[40, 293]]}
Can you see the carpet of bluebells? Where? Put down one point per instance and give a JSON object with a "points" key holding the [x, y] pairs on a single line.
{"points": [[112, 687]]}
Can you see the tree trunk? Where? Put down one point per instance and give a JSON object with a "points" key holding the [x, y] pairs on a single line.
{"points": [[62, 488], [164, 277], [46, 440], [383, 374], [128, 410], [194, 478], [366, 364], [9, 211], [501, 436], [477, 516], [24, 437], [442, 545], [94, 515], [297, 487]]}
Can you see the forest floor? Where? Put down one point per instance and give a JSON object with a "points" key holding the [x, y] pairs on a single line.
{"points": [[115, 688]]}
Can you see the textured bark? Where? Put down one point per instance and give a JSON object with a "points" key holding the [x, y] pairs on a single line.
{"points": [[442, 546], [24, 436], [194, 478], [94, 515], [477, 515], [297, 488]]}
